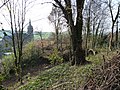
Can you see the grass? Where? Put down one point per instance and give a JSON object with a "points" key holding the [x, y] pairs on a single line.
{"points": [[64, 76]]}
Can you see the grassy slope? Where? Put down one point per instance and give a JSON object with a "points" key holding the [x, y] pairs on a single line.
{"points": [[62, 76]]}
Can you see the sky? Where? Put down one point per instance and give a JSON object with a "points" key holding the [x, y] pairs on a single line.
{"points": [[37, 13]]}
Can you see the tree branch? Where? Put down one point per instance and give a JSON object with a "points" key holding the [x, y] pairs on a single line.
{"points": [[111, 10], [3, 4], [62, 8], [117, 13]]}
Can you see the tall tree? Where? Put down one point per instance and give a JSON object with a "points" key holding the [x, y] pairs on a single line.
{"points": [[17, 11], [111, 44], [75, 28], [88, 23], [94, 14], [55, 18]]}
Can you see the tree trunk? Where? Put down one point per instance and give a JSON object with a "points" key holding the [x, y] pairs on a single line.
{"points": [[111, 43], [75, 28], [117, 35], [57, 38], [96, 35], [93, 35], [78, 52], [88, 33], [88, 27]]}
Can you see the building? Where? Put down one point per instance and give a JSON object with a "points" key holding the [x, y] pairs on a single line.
{"points": [[30, 31], [6, 41]]}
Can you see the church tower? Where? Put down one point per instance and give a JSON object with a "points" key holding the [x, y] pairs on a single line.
{"points": [[30, 31], [30, 28]]}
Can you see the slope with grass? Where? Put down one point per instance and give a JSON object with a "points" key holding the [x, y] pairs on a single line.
{"points": [[62, 76]]}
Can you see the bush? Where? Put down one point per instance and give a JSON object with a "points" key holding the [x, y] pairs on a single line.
{"points": [[8, 65], [55, 58], [31, 54]]}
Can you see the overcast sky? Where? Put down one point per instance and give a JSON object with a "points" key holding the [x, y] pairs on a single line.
{"points": [[38, 15]]}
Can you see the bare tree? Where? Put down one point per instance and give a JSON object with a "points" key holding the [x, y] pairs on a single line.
{"points": [[87, 13], [113, 22], [17, 11], [75, 24], [95, 14], [56, 18]]}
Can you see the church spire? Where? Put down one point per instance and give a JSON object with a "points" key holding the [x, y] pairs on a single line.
{"points": [[30, 31], [30, 28], [29, 22]]}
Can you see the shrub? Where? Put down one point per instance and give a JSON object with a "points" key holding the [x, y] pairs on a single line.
{"points": [[8, 65], [55, 58], [31, 54]]}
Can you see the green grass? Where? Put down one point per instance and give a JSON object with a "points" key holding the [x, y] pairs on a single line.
{"points": [[63, 76]]}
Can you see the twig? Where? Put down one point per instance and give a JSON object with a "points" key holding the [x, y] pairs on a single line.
{"points": [[3, 4], [61, 84]]}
